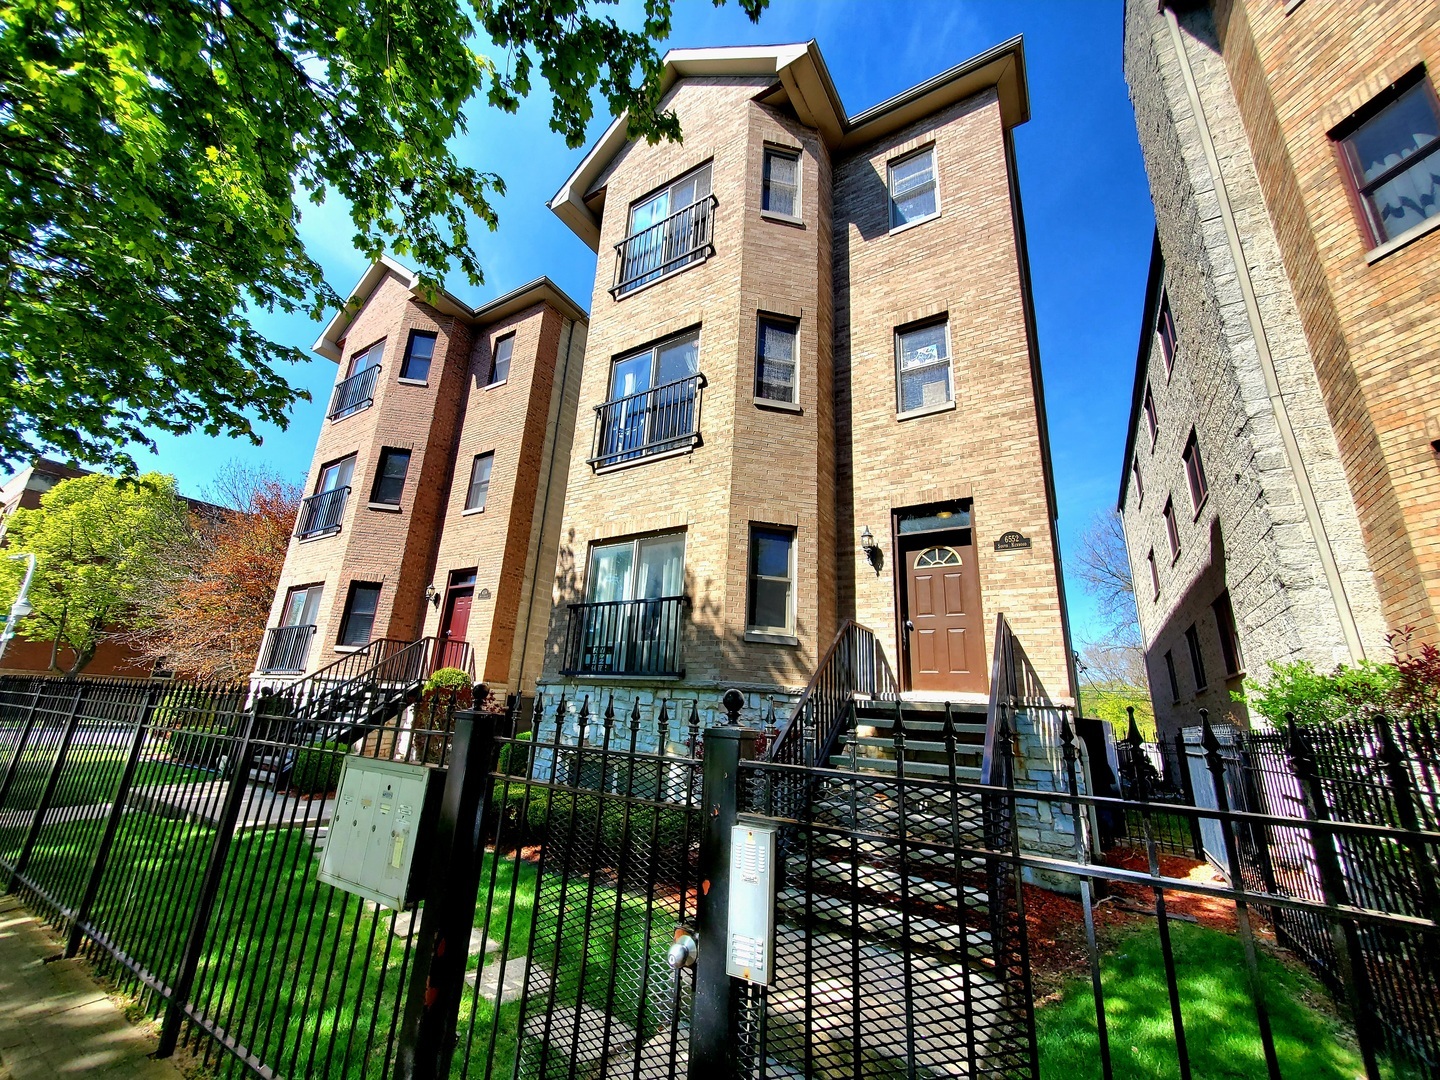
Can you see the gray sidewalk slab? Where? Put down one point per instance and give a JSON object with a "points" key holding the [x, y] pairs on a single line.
{"points": [[55, 1021]]}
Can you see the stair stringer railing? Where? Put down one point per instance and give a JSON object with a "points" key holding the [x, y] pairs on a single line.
{"points": [[1003, 689], [855, 664]]}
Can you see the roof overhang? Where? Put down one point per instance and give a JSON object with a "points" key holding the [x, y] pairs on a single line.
{"points": [[807, 87], [541, 290], [1150, 312]]}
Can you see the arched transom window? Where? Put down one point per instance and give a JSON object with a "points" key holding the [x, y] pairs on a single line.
{"points": [[938, 556]]}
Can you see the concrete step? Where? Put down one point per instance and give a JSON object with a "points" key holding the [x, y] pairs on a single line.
{"points": [[881, 924], [886, 767], [928, 887]]}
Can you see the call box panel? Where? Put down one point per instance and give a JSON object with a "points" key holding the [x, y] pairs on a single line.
{"points": [[750, 946], [381, 812]]}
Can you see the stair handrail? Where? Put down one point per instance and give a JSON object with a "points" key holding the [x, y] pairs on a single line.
{"points": [[1002, 689], [853, 658]]}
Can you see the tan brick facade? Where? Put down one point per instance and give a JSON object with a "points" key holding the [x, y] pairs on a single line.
{"points": [[443, 421], [842, 459]]}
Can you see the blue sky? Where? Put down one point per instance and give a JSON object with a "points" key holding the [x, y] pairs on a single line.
{"points": [[1087, 214]]}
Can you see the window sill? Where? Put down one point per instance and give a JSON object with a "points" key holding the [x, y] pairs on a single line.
{"points": [[644, 459], [494, 385], [1174, 558], [598, 676], [926, 410], [783, 219], [389, 508], [761, 637], [897, 229], [318, 536], [780, 406], [349, 648], [627, 293], [472, 511], [1231, 676], [1203, 500], [413, 382], [1410, 235]]}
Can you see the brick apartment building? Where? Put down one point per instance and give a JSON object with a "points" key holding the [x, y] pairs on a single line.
{"points": [[811, 391], [434, 505], [1281, 483]]}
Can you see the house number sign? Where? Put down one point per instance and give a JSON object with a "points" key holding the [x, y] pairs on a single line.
{"points": [[1012, 541]]}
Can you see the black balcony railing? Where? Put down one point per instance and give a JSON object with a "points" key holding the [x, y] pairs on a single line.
{"points": [[683, 238], [287, 648], [322, 513], [355, 393], [650, 422], [626, 637]]}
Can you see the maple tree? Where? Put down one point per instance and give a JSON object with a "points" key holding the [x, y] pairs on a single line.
{"points": [[206, 616]]}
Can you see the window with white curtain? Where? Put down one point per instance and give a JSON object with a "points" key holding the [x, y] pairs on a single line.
{"points": [[914, 195], [922, 366], [780, 184]]}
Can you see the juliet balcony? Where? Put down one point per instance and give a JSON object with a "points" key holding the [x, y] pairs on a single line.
{"points": [[354, 394], [286, 648], [626, 637], [322, 513], [662, 420], [684, 238]]}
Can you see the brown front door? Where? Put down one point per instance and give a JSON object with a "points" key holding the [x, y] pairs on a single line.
{"points": [[942, 609], [457, 621]]}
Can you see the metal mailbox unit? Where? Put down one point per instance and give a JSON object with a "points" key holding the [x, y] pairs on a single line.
{"points": [[383, 812]]}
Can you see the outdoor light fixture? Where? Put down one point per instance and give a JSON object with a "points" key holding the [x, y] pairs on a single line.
{"points": [[873, 555], [432, 594]]}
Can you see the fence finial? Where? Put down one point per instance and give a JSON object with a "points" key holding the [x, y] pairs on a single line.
{"points": [[733, 701], [610, 712], [1067, 737], [584, 718], [662, 726]]}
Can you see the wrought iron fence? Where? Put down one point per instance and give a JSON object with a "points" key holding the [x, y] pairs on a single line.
{"points": [[683, 238], [353, 394], [322, 512], [649, 422], [626, 637]]}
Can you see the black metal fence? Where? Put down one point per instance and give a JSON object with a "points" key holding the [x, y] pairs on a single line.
{"points": [[684, 237]]}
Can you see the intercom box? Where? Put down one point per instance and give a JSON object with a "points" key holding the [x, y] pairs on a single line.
{"points": [[750, 944], [380, 829]]}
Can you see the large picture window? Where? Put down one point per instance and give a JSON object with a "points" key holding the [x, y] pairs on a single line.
{"points": [[668, 231], [770, 605], [1389, 149], [652, 404], [631, 621], [922, 366]]}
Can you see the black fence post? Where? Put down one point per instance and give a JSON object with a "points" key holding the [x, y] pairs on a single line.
{"points": [[13, 766], [1082, 855], [714, 1019], [437, 979], [52, 783], [1402, 790], [210, 885], [1346, 937], [112, 824]]}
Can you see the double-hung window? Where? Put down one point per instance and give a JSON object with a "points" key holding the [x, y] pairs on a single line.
{"points": [[287, 646], [1172, 532], [1137, 482], [359, 619], [1390, 152], [418, 353], [479, 488], [1197, 662], [1154, 574], [390, 477], [667, 230], [775, 341], [1195, 473], [1170, 671], [770, 607], [1229, 637], [780, 182], [914, 196], [1152, 421], [922, 366], [1165, 332], [500, 360], [653, 401]]}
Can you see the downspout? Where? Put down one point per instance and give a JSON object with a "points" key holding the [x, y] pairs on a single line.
{"points": [[1291, 446], [560, 390]]}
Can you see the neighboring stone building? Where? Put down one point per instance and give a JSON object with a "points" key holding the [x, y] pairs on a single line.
{"points": [[811, 393], [1281, 483], [434, 503]]}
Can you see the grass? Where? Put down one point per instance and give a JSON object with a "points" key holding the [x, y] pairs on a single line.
{"points": [[1221, 1030], [91, 776]]}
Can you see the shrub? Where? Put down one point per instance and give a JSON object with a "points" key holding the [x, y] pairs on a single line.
{"points": [[445, 691], [317, 768], [1315, 697]]}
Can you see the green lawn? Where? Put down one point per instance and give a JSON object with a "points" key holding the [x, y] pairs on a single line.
{"points": [[90, 778], [1220, 1026]]}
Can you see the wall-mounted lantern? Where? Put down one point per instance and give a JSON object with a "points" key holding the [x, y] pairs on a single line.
{"points": [[873, 555], [432, 594]]}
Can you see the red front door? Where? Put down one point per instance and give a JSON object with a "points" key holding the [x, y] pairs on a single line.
{"points": [[456, 622], [942, 602]]}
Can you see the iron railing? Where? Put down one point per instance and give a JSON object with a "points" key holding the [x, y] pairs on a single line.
{"points": [[322, 512], [854, 664], [287, 648], [1004, 688], [455, 654], [653, 421], [682, 239], [626, 637], [353, 394]]}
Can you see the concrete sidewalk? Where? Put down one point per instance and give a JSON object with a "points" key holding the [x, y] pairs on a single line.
{"points": [[55, 1021]]}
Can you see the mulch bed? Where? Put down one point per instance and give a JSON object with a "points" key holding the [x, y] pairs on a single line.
{"points": [[1056, 923]]}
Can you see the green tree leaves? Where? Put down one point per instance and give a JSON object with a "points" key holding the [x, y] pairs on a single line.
{"points": [[154, 158]]}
